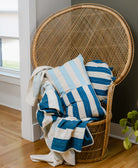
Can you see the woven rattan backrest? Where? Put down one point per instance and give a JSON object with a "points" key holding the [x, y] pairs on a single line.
{"points": [[95, 31]]}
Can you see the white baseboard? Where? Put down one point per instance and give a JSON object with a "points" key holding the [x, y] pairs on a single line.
{"points": [[115, 132], [37, 131], [32, 134]]}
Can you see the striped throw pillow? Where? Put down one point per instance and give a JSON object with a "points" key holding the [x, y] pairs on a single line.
{"points": [[73, 84], [100, 75]]}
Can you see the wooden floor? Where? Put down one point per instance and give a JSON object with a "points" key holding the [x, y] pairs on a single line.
{"points": [[15, 151]]}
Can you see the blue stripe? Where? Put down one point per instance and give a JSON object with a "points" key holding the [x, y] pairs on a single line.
{"points": [[113, 78], [67, 78], [59, 103], [98, 69], [44, 103], [74, 104], [77, 72], [101, 92], [53, 111], [100, 80], [97, 61], [62, 101], [56, 81], [54, 118], [65, 107], [85, 101], [40, 117], [64, 145], [98, 105], [67, 124], [87, 139], [96, 118]]}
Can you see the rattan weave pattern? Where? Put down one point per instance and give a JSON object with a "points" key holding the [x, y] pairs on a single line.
{"points": [[96, 32], [94, 152]]}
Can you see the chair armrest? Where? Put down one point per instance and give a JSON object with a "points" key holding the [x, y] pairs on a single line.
{"points": [[109, 101], [108, 116]]}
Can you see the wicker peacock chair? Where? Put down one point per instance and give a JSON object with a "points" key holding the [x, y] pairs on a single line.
{"points": [[96, 32]]}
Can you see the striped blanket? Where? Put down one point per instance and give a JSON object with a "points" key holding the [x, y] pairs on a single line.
{"points": [[69, 132], [63, 135]]}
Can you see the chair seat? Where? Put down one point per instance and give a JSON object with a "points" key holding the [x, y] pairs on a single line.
{"points": [[94, 152]]}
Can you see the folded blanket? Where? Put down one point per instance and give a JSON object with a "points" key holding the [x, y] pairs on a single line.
{"points": [[62, 134], [36, 83]]}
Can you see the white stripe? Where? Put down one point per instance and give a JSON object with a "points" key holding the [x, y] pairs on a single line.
{"points": [[82, 70], [91, 101], [47, 120], [66, 134], [99, 86], [61, 79], [70, 110], [94, 64], [81, 110], [86, 119], [99, 75], [51, 133], [79, 104], [72, 75], [71, 118], [102, 97], [66, 100], [52, 100]]}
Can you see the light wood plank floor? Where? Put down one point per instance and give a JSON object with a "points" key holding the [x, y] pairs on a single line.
{"points": [[15, 151]]}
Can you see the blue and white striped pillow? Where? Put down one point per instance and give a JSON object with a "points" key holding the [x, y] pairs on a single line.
{"points": [[73, 84], [100, 75]]}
